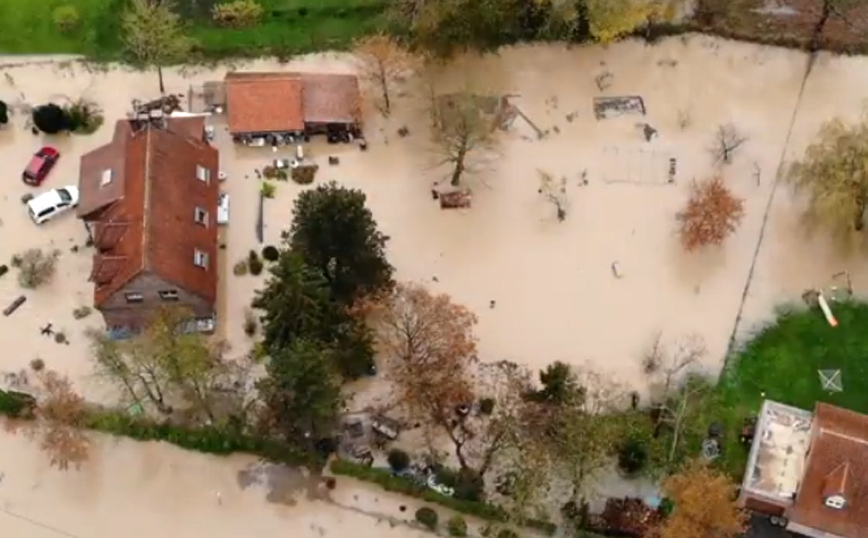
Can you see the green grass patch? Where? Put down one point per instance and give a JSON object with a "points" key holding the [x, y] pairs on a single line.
{"points": [[288, 27], [783, 361]]}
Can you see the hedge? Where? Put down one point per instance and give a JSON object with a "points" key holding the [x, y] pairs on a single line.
{"points": [[206, 439], [398, 484]]}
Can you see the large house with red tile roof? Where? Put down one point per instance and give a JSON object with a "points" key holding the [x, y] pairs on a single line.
{"points": [[810, 470], [291, 103], [149, 200]]}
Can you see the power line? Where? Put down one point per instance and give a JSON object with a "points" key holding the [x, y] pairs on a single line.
{"points": [[37, 523]]}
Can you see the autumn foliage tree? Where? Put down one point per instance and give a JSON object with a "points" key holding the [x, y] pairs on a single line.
{"points": [[705, 504], [59, 426], [833, 176], [383, 62], [428, 343], [712, 214]]}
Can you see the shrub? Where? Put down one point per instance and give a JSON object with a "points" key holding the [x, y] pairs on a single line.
{"points": [[507, 533], [240, 268], [457, 526], [66, 19], [254, 263], [238, 14], [36, 267], [81, 312], [398, 460], [4, 113], [16, 261], [16, 404], [469, 486], [250, 323], [304, 175], [270, 253], [4, 269], [486, 406], [405, 486], [632, 456], [84, 116], [428, 517], [37, 364], [267, 190], [50, 119]]}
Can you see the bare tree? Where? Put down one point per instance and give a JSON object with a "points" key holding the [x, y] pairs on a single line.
{"points": [[555, 191], [677, 389], [462, 133], [727, 140], [154, 35], [383, 62]]}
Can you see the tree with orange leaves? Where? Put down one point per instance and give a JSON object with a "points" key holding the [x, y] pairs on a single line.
{"points": [[705, 504], [430, 352], [384, 61], [711, 215]]}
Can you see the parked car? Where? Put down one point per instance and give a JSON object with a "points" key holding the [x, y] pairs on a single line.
{"points": [[40, 165], [223, 208], [50, 204]]}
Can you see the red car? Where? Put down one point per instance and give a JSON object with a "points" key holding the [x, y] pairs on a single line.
{"points": [[40, 165]]}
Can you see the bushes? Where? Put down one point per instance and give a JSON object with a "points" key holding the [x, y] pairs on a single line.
{"points": [[16, 404], [238, 14], [405, 486], [83, 116], [35, 267], [457, 526], [632, 456], [398, 460], [270, 253], [428, 517], [486, 406], [207, 439], [66, 19], [254, 263]]}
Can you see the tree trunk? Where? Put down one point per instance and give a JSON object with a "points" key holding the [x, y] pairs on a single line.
{"points": [[160, 76], [387, 101], [459, 166]]}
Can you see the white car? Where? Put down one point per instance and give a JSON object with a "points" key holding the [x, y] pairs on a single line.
{"points": [[48, 205], [223, 208]]}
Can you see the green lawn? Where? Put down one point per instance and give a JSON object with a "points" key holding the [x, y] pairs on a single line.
{"points": [[289, 27], [783, 360]]}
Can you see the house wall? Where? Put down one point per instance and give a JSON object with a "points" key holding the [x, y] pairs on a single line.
{"points": [[118, 312], [763, 506]]}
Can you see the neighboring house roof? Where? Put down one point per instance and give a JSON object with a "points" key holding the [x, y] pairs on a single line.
{"points": [[263, 102], [142, 211], [837, 465], [266, 102], [331, 98]]}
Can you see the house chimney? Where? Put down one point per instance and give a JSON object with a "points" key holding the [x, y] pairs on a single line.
{"points": [[835, 485]]}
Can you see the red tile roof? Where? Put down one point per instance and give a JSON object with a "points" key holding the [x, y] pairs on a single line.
{"points": [[838, 459], [263, 102], [153, 206]]}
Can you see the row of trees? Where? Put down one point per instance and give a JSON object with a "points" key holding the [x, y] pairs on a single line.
{"points": [[832, 175]]}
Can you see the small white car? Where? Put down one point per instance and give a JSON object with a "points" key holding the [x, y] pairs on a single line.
{"points": [[50, 204], [223, 208]]}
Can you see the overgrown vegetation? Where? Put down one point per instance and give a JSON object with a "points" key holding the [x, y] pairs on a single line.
{"points": [[284, 27]]}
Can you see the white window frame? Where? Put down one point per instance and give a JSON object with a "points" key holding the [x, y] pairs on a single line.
{"points": [[106, 177], [203, 173], [134, 297], [169, 295], [199, 212], [200, 258]]}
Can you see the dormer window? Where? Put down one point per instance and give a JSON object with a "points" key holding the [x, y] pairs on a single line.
{"points": [[838, 502], [106, 177]]}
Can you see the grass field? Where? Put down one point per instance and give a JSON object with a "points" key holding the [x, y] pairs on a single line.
{"points": [[783, 361], [288, 27]]}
